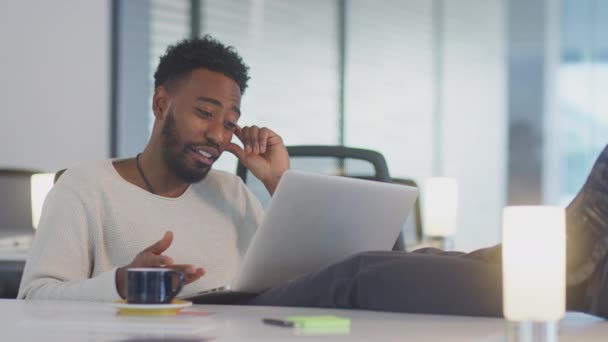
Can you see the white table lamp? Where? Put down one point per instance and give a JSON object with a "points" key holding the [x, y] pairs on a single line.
{"points": [[440, 208], [41, 184], [534, 267]]}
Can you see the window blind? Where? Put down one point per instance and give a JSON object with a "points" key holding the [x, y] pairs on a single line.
{"points": [[291, 48]]}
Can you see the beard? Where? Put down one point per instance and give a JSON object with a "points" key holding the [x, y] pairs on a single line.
{"points": [[174, 154]]}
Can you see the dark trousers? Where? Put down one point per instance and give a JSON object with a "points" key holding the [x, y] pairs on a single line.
{"points": [[428, 281], [437, 282]]}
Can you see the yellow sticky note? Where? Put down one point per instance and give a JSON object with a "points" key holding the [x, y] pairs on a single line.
{"points": [[315, 322]]}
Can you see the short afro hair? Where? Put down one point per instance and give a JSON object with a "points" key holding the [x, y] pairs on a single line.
{"points": [[206, 53]]}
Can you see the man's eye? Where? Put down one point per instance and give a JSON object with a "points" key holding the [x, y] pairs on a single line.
{"points": [[230, 125], [203, 113]]}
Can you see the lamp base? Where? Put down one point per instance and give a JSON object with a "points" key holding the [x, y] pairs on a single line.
{"points": [[442, 242], [532, 332]]}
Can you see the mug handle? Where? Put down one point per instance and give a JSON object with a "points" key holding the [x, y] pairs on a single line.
{"points": [[180, 282]]}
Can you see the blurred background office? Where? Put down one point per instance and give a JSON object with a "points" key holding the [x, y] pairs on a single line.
{"points": [[506, 96]]}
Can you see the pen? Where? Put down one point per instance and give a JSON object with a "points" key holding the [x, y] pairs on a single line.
{"points": [[278, 322]]}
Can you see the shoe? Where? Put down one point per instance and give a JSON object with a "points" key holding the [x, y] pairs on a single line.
{"points": [[587, 224]]}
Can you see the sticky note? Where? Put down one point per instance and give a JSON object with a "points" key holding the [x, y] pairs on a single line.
{"points": [[316, 322]]}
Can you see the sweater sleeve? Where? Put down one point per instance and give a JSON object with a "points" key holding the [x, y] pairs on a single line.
{"points": [[59, 264]]}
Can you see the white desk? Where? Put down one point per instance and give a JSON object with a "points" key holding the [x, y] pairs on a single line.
{"points": [[77, 321]]}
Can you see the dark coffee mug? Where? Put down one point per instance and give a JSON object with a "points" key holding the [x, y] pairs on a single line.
{"points": [[153, 285]]}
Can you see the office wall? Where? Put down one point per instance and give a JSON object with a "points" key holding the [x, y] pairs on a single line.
{"points": [[426, 86], [390, 85], [54, 86], [473, 115]]}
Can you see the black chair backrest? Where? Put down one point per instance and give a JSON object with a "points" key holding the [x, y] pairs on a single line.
{"points": [[57, 175], [346, 161], [330, 160]]}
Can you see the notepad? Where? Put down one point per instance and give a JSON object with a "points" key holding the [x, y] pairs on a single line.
{"points": [[320, 322]]}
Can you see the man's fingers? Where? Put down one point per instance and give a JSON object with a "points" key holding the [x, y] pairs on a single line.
{"points": [[185, 268], [161, 245], [148, 259], [273, 138], [264, 134], [246, 139], [165, 260], [194, 276], [236, 150], [241, 133], [238, 131], [254, 132], [250, 139], [190, 272], [153, 260], [256, 139]]}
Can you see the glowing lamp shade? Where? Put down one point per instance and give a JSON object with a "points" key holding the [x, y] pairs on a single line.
{"points": [[440, 206], [534, 263], [41, 184]]}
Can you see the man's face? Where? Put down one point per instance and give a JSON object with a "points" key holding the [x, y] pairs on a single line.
{"points": [[199, 123]]}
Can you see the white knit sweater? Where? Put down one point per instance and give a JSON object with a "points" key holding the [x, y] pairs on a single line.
{"points": [[94, 221]]}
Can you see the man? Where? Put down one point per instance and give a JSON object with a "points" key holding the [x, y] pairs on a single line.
{"points": [[99, 216], [101, 219]]}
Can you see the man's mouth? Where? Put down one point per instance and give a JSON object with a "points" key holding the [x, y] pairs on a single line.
{"points": [[205, 155]]}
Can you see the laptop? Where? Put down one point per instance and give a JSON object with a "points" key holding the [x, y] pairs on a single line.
{"points": [[313, 221]]}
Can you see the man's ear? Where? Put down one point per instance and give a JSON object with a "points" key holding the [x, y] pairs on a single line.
{"points": [[160, 102]]}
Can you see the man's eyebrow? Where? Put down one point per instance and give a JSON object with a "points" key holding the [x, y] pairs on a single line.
{"points": [[217, 103], [237, 110], [210, 100]]}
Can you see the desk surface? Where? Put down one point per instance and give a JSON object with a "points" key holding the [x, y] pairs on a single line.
{"points": [[78, 321]]}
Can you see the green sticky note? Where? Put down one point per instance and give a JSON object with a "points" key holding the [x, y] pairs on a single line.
{"points": [[319, 322]]}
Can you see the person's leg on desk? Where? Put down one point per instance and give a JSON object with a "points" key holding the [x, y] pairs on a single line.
{"points": [[397, 281], [433, 281]]}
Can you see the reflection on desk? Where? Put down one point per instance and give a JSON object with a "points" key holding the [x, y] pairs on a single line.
{"points": [[80, 321]]}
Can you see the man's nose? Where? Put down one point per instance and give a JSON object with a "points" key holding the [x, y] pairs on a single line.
{"points": [[215, 132]]}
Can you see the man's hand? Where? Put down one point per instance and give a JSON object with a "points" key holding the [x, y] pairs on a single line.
{"points": [[152, 257], [263, 153]]}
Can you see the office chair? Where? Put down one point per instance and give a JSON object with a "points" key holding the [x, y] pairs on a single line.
{"points": [[58, 174], [338, 161], [16, 227]]}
